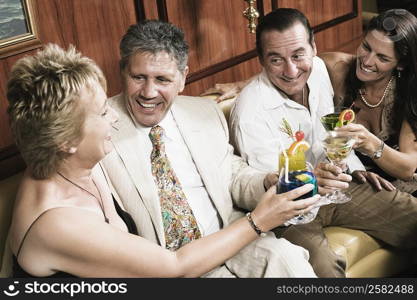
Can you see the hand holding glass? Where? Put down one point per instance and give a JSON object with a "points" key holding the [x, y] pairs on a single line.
{"points": [[295, 179], [337, 149]]}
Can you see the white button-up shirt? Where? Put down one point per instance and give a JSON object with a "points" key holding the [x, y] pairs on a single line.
{"points": [[257, 116]]}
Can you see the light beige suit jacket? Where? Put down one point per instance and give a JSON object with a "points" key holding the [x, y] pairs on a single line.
{"points": [[205, 133]]}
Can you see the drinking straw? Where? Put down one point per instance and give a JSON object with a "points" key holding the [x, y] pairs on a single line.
{"points": [[286, 168]]}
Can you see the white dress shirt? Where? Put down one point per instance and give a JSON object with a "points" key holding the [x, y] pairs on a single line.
{"points": [[181, 161], [257, 115]]}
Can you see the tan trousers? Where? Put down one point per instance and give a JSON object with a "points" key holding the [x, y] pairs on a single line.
{"points": [[267, 257], [387, 216]]}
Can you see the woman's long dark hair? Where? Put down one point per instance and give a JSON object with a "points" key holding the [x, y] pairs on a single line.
{"points": [[401, 27]]}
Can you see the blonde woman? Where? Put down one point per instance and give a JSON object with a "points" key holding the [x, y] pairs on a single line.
{"points": [[66, 222]]}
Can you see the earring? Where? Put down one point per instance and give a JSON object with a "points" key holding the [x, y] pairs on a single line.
{"points": [[72, 150], [399, 73]]}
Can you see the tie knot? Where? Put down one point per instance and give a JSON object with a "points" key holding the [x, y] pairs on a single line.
{"points": [[156, 134]]}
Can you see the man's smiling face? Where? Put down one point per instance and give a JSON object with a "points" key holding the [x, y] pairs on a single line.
{"points": [[151, 83], [288, 58]]}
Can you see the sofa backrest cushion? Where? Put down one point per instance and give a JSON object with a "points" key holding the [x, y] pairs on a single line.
{"points": [[8, 190]]}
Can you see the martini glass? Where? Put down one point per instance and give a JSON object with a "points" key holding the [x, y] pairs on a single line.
{"points": [[330, 121], [337, 149]]}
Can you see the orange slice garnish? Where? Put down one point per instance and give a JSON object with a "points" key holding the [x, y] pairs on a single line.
{"points": [[298, 146], [346, 116]]}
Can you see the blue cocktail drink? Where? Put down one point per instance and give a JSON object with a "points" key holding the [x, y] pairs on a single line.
{"points": [[297, 179]]}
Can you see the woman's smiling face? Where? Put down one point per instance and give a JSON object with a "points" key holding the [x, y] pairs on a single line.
{"points": [[376, 57]]}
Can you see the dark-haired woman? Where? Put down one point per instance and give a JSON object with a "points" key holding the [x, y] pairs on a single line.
{"points": [[380, 84]]}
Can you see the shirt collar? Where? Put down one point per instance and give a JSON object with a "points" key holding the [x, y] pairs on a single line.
{"points": [[313, 80], [145, 130], [168, 124]]}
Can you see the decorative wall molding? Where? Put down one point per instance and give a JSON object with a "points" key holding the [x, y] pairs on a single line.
{"points": [[22, 42]]}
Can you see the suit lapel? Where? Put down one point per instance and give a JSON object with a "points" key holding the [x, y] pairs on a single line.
{"points": [[192, 131], [128, 144]]}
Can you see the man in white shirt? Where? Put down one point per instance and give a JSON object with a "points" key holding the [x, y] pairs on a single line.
{"points": [[265, 115], [195, 140], [294, 85]]}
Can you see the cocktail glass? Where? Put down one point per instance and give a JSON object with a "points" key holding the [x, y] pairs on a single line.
{"points": [[337, 149], [330, 121], [296, 161], [295, 179]]}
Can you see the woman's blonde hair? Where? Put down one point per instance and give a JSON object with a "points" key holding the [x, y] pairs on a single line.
{"points": [[44, 109]]}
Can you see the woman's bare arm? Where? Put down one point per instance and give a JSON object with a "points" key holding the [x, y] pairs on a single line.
{"points": [[78, 242]]}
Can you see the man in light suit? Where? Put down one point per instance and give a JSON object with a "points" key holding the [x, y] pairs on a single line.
{"points": [[154, 67]]}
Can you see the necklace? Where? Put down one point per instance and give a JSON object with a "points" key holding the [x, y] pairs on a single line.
{"points": [[99, 201], [382, 98]]}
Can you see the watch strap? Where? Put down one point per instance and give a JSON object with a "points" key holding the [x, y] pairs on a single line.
{"points": [[378, 153]]}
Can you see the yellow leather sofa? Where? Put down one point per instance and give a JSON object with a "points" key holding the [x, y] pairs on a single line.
{"points": [[365, 256]]}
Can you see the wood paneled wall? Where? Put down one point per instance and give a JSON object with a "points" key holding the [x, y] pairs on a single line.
{"points": [[93, 26], [221, 48], [337, 26]]}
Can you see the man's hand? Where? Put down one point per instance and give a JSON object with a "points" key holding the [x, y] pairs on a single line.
{"points": [[270, 180], [226, 90], [374, 179], [331, 178]]}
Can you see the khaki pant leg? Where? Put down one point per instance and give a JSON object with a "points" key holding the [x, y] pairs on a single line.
{"points": [[310, 236], [219, 272], [271, 257], [387, 216]]}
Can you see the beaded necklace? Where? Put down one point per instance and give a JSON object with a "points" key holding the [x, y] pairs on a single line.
{"points": [[382, 98]]}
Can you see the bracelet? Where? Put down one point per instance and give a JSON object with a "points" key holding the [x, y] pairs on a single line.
{"points": [[254, 226]]}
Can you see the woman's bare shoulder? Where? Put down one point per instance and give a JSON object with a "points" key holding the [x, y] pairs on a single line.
{"points": [[61, 231], [337, 61], [35, 192], [32, 199], [337, 64]]}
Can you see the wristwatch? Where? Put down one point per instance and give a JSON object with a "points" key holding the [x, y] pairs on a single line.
{"points": [[378, 153]]}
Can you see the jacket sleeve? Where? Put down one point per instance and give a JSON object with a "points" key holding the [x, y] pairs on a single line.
{"points": [[246, 183]]}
